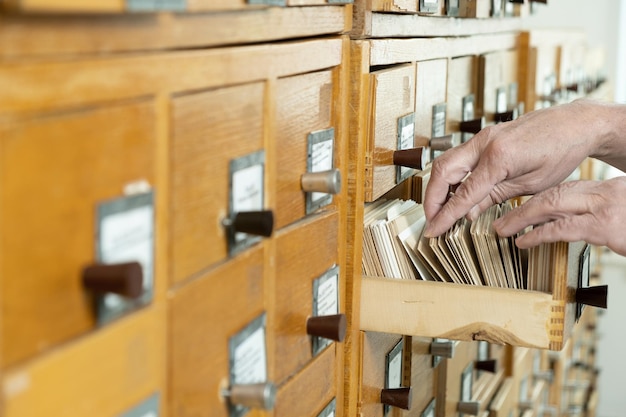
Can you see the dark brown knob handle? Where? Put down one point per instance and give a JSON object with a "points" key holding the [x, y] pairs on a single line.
{"points": [[259, 396], [506, 116], [442, 143], [472, 126], [328, 182], [539, 1], [260, 223], [593, 296], [489, 365], [443, 348], [397, 397], [574, 87], [517, 1], [416, 158], [331, 327], [468, 407], [124, 279]]}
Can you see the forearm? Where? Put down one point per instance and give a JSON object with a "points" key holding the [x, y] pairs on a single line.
{"points": [[608, 130]]}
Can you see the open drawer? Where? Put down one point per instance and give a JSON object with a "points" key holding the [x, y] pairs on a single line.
{"points": [[467, 312]]}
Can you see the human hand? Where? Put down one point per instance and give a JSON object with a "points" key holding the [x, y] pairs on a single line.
{"points": [[536, 151], [590, 211]]}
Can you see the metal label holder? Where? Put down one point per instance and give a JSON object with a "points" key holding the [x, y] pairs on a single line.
{"points": [[111, 306], [452, 8], [148, 408], [238, 242], [235, 342], [317, 140], [394, 358], [328, 281], [429, 6], [467, 383], [468, 112], [406, 140], [329, 410], [429, 411], [583, 277]]}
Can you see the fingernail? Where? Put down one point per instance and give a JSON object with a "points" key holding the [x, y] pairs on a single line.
{"points": [[428, 231]]}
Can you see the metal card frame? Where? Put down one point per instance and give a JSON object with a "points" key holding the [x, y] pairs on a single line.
{"points": [[466, 375], [389, 357], [583, 277], [148, 408], [438, 127], [105, 311], [315, 138], [330, 409], [429, 411], [319, 343], [402, 173], [237, 244], [452, 8], [468, 112], [269, 2], [156, 5], [426, 7], [233, 342], [501, 91]]}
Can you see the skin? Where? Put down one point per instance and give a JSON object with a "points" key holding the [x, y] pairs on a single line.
{"points": [[533, 155]]}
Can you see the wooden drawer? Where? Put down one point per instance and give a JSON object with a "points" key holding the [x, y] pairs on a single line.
{"points": [[460, 378], [383, 361], [130, 6], [461, 100], [306, 115], [498, 85], [424, 378], [202, 324], [430, 92], [60, 173], [210, 129], [106, 374], [24, 35], [426, 18], [297, 279], [516, 317], [393, 117], [311, 392], [504, 403]]}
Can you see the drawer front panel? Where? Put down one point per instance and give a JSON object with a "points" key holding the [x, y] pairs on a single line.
{"points": [[56, 170], [210, 129], [296, 247], [394, 98], [203, 316], [304, 105]]}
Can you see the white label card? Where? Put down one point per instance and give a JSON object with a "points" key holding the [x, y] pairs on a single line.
{"points": [[325, 301], [126, 234], [321, 160], [501, 101], [249, 359], [247, 189]]}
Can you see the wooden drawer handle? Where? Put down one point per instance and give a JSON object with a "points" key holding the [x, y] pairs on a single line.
{"points": [[468, 407], [443, 143], [259, 396], [472, 126], [331, 327], [489, 365], [506, 116], [593, 296], [397, 397], [125, 279], [328, 182], [442, 348], [260, 223], [416, 158]]}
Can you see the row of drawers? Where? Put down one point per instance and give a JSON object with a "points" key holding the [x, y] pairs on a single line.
{"points": [[161, 144], [456, 8]]}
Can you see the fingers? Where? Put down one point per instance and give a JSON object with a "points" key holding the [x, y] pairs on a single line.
{"points": [[563, 201]]}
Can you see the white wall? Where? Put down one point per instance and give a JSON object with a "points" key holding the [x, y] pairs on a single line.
{"points": [[605, 24], [600, 20]]}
